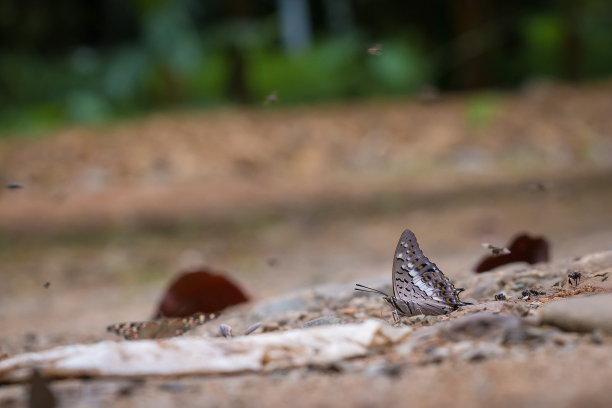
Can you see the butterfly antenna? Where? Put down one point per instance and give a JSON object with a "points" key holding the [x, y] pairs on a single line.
{"points": [[362, 288]]}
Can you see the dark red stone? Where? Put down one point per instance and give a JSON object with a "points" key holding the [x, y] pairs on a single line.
{"points": [[523, 248], [200, 291]]}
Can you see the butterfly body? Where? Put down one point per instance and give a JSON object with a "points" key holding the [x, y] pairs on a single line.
{"points": [[419, 286], [160, 328]]}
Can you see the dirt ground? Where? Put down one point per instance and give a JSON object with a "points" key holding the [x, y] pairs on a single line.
{"points": [[284, 199]]}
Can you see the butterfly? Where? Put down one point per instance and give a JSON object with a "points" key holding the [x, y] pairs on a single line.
{"points": [[419, 286], [160, 328]]}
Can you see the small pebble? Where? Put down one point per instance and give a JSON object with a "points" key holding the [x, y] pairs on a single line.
{"points": [[226, 330], [270, 326], [386, 369], [128, 389], [252, 328], [437, 355], [323, 321]]}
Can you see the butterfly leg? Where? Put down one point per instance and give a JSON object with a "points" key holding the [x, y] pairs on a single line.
{"points": [[396, 318]]}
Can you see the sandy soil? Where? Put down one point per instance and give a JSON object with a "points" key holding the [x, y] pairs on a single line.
{"points": [[109, 216]]}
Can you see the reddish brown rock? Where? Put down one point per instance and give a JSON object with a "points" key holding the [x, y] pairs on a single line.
{"points": [[200, 291], [523, 248]]}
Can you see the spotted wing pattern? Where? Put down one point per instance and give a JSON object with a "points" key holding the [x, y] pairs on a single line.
{"points": [[160, 328], [419, 286]]}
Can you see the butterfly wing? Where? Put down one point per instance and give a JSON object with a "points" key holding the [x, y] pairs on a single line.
{"points": [[134, 330], [419, 286], [161, 328], [197, 319]]}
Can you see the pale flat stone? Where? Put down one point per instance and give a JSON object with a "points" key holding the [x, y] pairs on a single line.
{"points": [[195, 355], [582, 314]]}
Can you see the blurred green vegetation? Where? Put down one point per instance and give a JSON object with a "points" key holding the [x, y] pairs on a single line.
{"points": [[147, 55]]}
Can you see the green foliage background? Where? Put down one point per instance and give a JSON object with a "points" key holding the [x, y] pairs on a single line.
{"points": [[156, 54]]}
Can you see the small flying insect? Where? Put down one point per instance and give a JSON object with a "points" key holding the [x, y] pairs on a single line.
{"points": [[575, 276], [500, 296], [376, 49], [14, 186], [271, 98], [496, 250], [538, 186]]}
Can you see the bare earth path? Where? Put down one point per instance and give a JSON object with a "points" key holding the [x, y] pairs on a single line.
{"points": [[287, 199]]}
